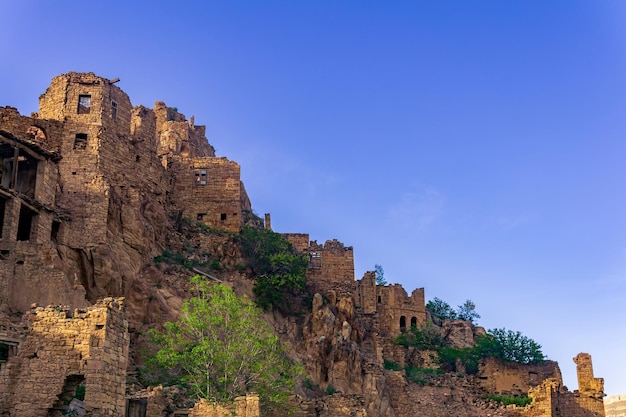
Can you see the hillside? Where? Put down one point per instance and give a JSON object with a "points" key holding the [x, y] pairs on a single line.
{"points": [[107, 210]]}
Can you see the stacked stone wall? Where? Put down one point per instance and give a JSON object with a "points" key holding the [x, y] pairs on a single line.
{"points": [[511, 378], [208, 190], [334, 270], [61, 351], [247, 406]]}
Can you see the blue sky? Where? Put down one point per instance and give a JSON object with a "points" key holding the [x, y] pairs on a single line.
{"points": [[472, 148]]}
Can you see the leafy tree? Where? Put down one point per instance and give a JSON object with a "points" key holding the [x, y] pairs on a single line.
{"points": [[467, 311], [278, 270], [221, 348], [441, 309], [380, 275], [509, 345]]}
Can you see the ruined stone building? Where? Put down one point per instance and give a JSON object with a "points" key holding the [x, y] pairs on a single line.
{"points": [[86, 187], [89, 189]]}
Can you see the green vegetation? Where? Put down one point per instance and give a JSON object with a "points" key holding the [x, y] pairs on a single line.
{"points": [[278, 270], [502, 344], [380, 275], [441, 309], [510, 346], [391, 365], [427, 338], [220, 348], [422, 376], [520, 401], [330, 390], [467, 311], [175, 258]]}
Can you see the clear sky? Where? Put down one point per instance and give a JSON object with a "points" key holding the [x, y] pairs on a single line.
{"points": [[474, 148]]}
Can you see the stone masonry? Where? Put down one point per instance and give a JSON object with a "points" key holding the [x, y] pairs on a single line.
{"points": [[63, 350]]}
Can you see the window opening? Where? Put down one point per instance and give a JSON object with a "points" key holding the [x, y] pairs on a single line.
{"points": [[315, 260], [223, 216], [200, 216], [26, 175], [25, 223], [7, 350], [114, 110], [136, 407], [201, 177], [380, 300], [54, 232], [403, 324], [84, 104], [413, 322], [3, 204], [80, 142]]}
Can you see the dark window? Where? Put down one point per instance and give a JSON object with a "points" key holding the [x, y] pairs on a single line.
{"points": [[201, 177], [315, 260], [113, 110], [402, 324], [223, 216], [4, 352], [84, 104], [80, 142], [3, 204], [54, 232], [413, 322], [380, 300], [200, 216], [25, 224]]}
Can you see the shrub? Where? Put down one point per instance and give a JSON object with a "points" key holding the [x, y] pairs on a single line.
{"points": [[391, 365], [278, 270], [509, 345], [427, 338], [520, 401], [330, 390]]}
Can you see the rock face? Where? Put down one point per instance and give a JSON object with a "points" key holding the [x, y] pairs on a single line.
{"points": [[102, 199]]}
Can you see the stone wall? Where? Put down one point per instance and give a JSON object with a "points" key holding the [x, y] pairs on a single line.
{"points": [[247, 406], [208, 191], [510, 378], [62, 351], [551, 399]]}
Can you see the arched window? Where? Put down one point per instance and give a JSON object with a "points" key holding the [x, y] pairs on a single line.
{"points": [[402, 324], [414, 322]]}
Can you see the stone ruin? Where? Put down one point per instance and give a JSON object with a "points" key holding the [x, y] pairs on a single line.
{"points": [[61, 353], [86, 187]]}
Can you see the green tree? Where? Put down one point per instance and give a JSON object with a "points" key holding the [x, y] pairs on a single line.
{"points": [[509, 345], [278, 270], [380, 275], [441, 309], [467, 311], [221, 348]]}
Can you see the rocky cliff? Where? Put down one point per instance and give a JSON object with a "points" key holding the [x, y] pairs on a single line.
{"points": [[102, 199]]}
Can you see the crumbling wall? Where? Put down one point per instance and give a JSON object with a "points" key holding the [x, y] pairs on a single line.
{"points": [[247, 406], [510, 378], [551, 399], [62, 351], [331, 267], [399, 311]]}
